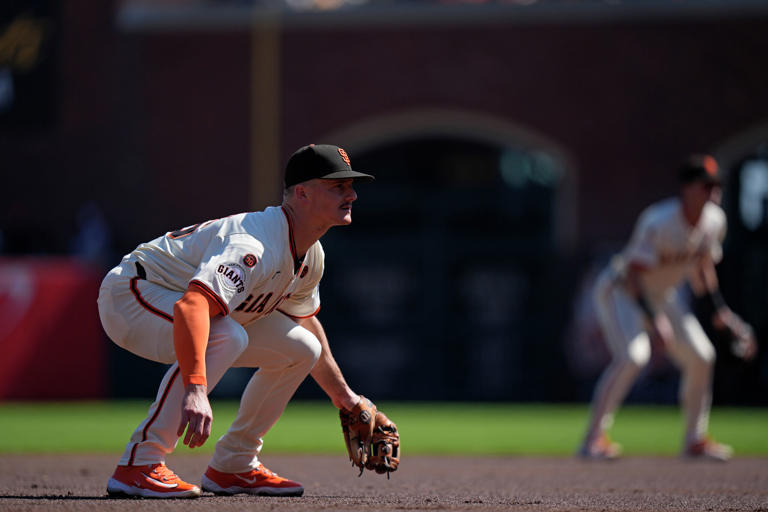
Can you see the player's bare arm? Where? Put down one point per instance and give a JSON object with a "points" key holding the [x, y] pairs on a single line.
{"points": [[326, 371], [191, 325], [371, 438], [705, 284]]}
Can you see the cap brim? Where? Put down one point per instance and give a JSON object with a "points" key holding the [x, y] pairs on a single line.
{"points": [[348, 174]]}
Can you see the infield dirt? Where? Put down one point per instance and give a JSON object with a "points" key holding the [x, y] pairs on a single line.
{"points": [[77, 483]]}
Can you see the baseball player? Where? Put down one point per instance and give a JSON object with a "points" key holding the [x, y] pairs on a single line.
{"points": [[637, 302], [232, 292]]}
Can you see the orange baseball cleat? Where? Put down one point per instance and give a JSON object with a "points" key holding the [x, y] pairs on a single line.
{"points": [[151, 481], [708, 448], [259, 481]]}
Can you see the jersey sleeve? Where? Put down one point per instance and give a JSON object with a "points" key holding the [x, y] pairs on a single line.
{"points": [[305, 301], [229, 268], [642, 248]]}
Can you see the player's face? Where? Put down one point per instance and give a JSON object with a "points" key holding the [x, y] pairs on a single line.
{"points": [[332, 200]]}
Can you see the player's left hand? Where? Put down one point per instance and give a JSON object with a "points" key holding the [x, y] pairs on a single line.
{"points": [[743, 343]]}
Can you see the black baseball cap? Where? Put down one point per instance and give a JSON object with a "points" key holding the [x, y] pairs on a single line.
{"points": [[699, 168], [322, 161]]}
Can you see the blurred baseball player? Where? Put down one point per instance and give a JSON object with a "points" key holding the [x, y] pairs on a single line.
{"points": [[232, 292], [637, 301]]}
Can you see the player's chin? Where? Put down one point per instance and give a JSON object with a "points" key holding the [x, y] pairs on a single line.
{"points": [[345, 218]]}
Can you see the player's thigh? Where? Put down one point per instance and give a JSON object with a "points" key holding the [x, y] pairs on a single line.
{"points": [[276, 341], [622, 323], [691, 345], [138, 316]]}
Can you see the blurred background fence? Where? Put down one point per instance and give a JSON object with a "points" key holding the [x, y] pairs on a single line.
{"points": [[514, 144]]}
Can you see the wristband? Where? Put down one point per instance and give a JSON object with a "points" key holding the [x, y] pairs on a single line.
{"points": [[718, 302]]}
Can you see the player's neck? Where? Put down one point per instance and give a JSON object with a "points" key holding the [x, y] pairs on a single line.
{"points": [[691, 213], [305, 232]]}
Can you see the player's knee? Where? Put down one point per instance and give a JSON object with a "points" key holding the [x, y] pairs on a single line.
{"points": [[631, 366], [228, 334], [702, 361], [239, 338], [313, 350], [639, 355], [307, 349]]}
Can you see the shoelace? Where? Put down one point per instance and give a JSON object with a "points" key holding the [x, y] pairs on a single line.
{"points": [[265, 471], [163, 473]]}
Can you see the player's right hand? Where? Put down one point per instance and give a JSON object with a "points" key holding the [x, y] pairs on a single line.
{"points": [[196, 415]]}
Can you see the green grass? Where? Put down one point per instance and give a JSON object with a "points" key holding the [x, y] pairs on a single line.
{"points": [[426, 428]]}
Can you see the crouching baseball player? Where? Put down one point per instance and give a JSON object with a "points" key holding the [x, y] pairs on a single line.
{"points": [[636, 298], [233, 292]]}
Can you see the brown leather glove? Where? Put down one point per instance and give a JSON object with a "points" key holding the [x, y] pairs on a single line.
{"points": [[371, 439], [385, 446], [357, 426]]}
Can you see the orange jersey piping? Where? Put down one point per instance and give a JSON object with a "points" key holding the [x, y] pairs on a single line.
{"points": [[305, 316], [290, 233], [209, 293]]}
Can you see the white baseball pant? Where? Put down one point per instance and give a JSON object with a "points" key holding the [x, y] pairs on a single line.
{"points": [[625, 331], [137, 316]]}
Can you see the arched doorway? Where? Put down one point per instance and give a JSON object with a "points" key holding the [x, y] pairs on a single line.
{"points": [[450, 260]]}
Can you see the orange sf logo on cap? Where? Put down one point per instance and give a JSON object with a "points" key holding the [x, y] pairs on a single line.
{"points": [[710, 165], [344, 156]]}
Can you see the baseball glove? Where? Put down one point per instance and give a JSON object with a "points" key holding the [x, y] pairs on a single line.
{"points": [[371, 438], [743, 342], [385, 446]]}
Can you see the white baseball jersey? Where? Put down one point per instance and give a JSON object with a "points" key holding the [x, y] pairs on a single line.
{"points": [[667, 245], [247, 263]]}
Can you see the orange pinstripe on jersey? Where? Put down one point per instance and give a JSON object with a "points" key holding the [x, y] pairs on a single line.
{"points": [[202, 288]]}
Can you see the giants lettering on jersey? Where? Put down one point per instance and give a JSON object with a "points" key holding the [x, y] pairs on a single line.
{"points": [[258, 305], [231, 276], [677, 257]]}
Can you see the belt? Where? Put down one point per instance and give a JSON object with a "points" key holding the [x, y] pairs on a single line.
{"points": [[140, 271]]}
